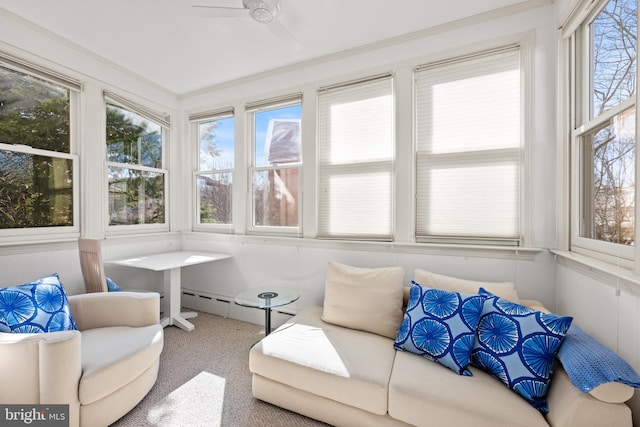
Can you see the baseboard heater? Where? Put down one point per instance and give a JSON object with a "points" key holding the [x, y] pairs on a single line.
{"points": [[208, 303], [286, 313]]}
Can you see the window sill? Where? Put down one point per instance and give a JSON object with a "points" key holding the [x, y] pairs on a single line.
{"points": [[610, 274], [70, 242], [510, 252]]}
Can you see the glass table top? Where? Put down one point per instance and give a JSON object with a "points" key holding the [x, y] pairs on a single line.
{"points": [[266, 297]]}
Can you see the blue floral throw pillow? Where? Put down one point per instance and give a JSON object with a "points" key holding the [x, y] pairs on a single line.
{"points": [[35, 307], [112, 286], [518, 345], [440, 325]]}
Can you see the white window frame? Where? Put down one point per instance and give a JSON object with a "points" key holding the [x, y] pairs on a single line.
{"points": [[250, 110], [517, 154], [47, 234], [577, 119], [195, 120], [352, 218], [164, 121]]}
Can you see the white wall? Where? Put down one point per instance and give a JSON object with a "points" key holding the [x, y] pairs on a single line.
{"points": [[300, 265], [604, 306]]}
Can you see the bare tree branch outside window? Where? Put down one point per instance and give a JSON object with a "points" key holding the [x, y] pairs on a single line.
{"points": [[215, 170], [609, 150]]}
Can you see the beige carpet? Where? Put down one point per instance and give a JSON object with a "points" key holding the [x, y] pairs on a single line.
{"points": [[204, 381]]}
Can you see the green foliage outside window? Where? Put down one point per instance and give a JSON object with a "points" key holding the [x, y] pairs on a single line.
{"points": [[136, 193], [35, 190]]}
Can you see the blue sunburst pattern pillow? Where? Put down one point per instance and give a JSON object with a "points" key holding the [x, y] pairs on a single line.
{"points": [[112, 286], [35, 307], [518, 345], [440, 325]]}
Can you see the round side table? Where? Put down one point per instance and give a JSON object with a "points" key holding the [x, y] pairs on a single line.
{"points": [[266, 299]]}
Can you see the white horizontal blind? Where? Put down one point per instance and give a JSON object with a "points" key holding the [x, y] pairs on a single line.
{"points": [[355, 160], [162, 119], [468, 131], [293, 98], [212, 114], [42, 72]]}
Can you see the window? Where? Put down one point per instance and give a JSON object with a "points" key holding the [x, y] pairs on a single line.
{"points": [[135, 149], [276, 164], [38, 167], [602, 44], [468, 149], [356, 159], [214, 176]]}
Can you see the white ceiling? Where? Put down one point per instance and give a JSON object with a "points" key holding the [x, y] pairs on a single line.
{"points": [[169, 43]]}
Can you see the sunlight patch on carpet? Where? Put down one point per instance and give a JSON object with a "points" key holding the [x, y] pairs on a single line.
{"points": [[198, 402]]}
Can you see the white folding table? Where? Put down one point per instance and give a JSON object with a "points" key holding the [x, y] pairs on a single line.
{"points": [[171, 264]]}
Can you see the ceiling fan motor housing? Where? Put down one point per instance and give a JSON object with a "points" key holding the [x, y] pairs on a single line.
{"points": [[263, 11]]}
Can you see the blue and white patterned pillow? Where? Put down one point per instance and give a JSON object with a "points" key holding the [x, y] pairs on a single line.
{"points": [[112, 286], [35, 307], [440, 325], [518, 345]]}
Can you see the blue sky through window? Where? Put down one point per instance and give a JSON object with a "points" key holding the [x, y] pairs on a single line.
{"points": [[225, 142], [217, 135], [225, 138], [262, 119]]}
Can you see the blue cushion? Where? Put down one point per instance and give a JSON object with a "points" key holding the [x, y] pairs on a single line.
{"points": [[112, 286], [35, 307], [440, 325], [518, 345]]}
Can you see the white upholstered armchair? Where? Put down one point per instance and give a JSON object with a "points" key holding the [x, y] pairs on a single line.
{"points": [[102, 370]]}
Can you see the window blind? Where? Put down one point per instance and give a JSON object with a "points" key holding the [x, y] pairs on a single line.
{"points": [[355, 160], [274, 102], [41, 72], [468, 149], [206, 115], [160, 118]]}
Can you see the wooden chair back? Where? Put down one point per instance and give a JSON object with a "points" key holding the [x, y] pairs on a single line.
{"points": [[91, 264]]}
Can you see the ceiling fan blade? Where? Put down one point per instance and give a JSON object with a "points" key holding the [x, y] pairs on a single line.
{"points": [[283, 34], [220, 12]]}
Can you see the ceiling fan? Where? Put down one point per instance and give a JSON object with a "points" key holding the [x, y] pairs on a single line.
{"points": [[262, 11]]}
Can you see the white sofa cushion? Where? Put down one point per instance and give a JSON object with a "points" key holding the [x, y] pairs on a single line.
{"points": [[367, 299], [506, 290], [341, 364], [424, 393], [112, 357]]}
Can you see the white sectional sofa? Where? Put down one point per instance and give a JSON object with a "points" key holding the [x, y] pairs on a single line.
{"points": [[346, 376]]}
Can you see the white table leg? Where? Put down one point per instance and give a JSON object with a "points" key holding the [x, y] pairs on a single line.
{"points": [[182, 323], [172, 289]]}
